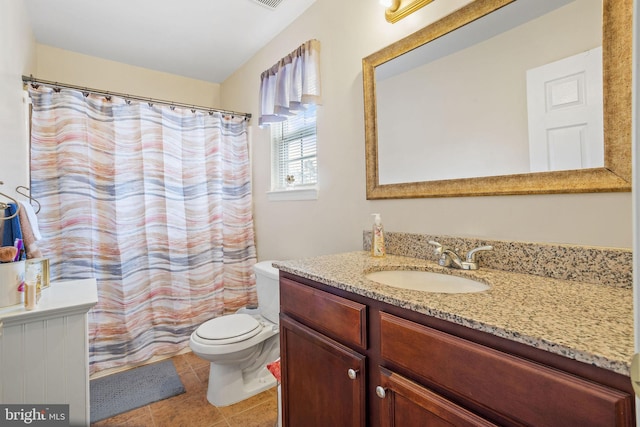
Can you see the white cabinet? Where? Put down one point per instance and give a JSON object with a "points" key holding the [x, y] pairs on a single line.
{"points": [[44, 353]]}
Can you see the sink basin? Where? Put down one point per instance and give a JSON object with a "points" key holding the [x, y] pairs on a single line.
{"points": [[427, 281]]}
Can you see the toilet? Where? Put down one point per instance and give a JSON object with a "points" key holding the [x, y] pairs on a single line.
{"points": [[240, 345]]}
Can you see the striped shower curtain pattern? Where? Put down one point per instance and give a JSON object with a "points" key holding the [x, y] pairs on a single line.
{"points": [[152, 201]]}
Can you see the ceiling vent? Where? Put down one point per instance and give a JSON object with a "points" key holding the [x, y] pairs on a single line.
{"points": [[271, 4]]}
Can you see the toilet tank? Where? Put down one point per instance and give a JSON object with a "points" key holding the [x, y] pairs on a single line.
{"points": [[268, 289]]}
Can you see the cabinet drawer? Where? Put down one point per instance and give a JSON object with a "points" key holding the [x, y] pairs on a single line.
{"points": [[337, 317], [516, 390]]}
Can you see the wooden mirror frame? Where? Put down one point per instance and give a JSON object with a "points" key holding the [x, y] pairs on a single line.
{"points": [[615, 176]]}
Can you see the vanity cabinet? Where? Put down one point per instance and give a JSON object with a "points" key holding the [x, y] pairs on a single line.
{"points": [[44, 353], [411, 369], [325, 379]]}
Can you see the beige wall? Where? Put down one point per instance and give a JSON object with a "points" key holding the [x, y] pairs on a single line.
{"points": [[60, 65], [20, 55], [17, 57], [349, 31]]}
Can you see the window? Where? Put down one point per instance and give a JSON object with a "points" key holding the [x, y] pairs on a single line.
{"points": [[294, 159], [289, 93]]}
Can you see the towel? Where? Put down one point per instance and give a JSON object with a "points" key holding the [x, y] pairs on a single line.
{"points": [[30, 245], [274, 368], [12, 229], [33, 219]]}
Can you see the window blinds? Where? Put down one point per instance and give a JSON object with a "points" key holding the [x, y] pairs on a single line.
{"points": [[294, 150]]}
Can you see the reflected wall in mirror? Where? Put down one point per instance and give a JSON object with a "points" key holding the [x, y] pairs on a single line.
{"points": [[503, 97]]}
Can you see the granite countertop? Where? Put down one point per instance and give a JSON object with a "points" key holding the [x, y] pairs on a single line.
{"points": [[587, 322]]}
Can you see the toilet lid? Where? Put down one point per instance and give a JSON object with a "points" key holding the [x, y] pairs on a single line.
{"points": [[229, 328]]}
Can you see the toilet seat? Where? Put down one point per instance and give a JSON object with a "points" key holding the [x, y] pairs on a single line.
{"points": [[229, 329]]}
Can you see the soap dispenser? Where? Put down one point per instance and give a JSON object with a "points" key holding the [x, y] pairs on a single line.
{"points": [[377, 237]]}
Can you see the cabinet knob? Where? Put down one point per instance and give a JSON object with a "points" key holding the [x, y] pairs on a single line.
{"points": [[352, 373], [381, 392]]}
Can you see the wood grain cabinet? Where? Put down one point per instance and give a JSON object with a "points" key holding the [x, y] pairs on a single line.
{"points": [[348, 360], [406, 403], [325, 379], [506, 388]]}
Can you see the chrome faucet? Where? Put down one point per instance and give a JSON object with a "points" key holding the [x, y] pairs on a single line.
{"points": [[449, 258]]}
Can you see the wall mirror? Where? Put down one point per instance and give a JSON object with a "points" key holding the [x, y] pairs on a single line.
{"points": [[503, 97]]}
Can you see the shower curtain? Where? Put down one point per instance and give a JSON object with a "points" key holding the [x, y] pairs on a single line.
{"points": [[152, 201]]}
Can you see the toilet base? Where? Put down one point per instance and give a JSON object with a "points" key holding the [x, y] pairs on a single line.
{"points": [[228, 385]]}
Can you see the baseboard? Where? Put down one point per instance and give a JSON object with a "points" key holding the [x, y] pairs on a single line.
{"points": [[146, 362]]}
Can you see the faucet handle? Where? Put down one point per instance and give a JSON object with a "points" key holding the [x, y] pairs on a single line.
{"points": [[471, 255], [443, 253], [438, 247]]}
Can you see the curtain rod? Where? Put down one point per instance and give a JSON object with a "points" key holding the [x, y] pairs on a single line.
{"points": [[31, 79]]}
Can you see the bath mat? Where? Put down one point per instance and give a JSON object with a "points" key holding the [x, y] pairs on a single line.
{"points": [[124, 391]]}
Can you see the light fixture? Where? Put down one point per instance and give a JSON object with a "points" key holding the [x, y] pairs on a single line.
{"points": [[398, 9]]}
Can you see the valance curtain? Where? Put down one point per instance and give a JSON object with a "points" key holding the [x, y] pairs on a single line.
{"points": [[292, 83], [155, 203]]}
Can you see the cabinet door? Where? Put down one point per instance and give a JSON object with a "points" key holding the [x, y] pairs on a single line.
{"points": [[46, 360], [323, 382], [407, 404]]}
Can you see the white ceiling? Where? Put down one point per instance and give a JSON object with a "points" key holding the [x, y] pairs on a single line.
{"points": [[202, 39]]}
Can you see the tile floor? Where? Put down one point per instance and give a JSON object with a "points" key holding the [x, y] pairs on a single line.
{"points": [[191, 409]]}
